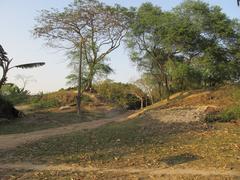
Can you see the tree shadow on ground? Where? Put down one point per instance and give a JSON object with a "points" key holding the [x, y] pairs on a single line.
{"points": [[180, 159]]}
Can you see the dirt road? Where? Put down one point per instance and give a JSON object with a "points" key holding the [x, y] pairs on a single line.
{"points": [[13, 140]]}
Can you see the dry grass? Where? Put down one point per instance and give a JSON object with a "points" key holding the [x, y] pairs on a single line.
{"points": [[144, 142], [140, 143]]}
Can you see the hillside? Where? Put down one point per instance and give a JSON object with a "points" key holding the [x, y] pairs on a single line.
{"points": [[168, 140], [210, 101]]}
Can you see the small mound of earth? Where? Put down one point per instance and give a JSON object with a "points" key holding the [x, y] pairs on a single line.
{"points": [[174, 115]]}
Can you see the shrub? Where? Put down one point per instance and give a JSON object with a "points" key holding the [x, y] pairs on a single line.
{"points": [[46, 103], [14, 94], [119, 94], [56, 99], [232, 113], [7, 110]]}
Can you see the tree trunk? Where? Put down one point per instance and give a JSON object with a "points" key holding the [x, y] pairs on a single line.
{"points": [[167, 87], [151, 98], [3, 79], [79, 95], [90, 79], [142, 101]]}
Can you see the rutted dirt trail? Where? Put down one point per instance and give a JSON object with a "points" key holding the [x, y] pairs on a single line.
{"points": [[155, 171], [13, 140], [165, 115]]}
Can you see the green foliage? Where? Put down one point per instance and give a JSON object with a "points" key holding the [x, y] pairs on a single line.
{"points": [[43, 101], [113, 92], [192, 46], [56, 99], [14, 94], [232, 113], [46, 103], [119, 94], [90, 72], [183, 76]]}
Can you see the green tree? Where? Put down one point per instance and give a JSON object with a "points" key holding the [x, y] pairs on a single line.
{"points": [[194, 43], [91, 27], [217, 54], [146, 45], [101, 71], [14, 94]]}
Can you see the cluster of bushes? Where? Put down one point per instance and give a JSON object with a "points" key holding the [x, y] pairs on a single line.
{"points": [[119, 94], [51, 100], [7, 110], [227, 115], [56, 99], [14, 94], [230, 113]]}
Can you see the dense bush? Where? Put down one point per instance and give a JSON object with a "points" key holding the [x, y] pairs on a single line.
{"points": [[14, 94], [46, 103], [56, 99], [218, 118], [7, 110], [119, 94]]}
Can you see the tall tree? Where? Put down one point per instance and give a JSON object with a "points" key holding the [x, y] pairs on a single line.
{"points": [[147, 46], [100, 27], [216, 41], [192, 41]]}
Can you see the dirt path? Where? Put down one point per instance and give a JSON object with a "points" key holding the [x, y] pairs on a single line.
{"points": [[165, 115], [13, 140], [165, 171]]}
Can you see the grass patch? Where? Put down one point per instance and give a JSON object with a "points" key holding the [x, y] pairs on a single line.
{"points": [[140, 143], [227, 115]]}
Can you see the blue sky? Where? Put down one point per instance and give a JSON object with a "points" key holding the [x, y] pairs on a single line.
{"points": [[17, 20]]}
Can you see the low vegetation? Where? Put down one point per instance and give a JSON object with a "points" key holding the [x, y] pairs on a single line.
{"points": [[7, 110], [140, 143]]}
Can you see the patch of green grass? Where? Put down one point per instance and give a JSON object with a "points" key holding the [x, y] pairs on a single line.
{"points": [[227, 115], [46, 103], [45, 120], [140, 143]]}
